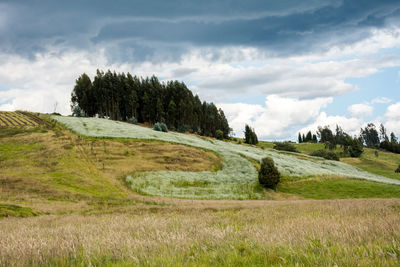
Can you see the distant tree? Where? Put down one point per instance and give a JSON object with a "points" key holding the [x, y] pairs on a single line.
{"points": [[172, 114], [355, 148], [393, 138], [340, 136], [250, 136], [382, 133], [325, 135], [299, 138], [268, 175], [81, 94], [370, 136], [308, 137], [314, 138]]}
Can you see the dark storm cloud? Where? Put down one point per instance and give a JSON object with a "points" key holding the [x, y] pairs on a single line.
{"points": [[143, 30]]}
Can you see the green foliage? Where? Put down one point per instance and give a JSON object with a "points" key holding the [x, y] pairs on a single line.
{"points": [[327, 137], [161, 127], [250, 136], [309, 138], [132, 119], [7, 210], [355, 148], [268, 175], [77, 112], [392, 145], [299, 138], [398, 169], [164, 127], [219, 135], [157, 127], [120, 97], [285, 146], [370, 136], [325, 154]]}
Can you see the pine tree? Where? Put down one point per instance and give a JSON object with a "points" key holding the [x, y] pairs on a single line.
{"points": [[308, 137]]}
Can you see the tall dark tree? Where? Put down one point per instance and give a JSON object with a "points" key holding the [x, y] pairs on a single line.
{"points": [[393, 138], [370, 136], [121, 96], [250, 136], [308, 137], [82, 93], [382, 133]]}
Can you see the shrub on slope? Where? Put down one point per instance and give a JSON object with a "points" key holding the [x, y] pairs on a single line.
{"points": [[268, 176]]}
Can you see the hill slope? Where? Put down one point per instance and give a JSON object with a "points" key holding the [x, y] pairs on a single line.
{"points": [[236, 180]]}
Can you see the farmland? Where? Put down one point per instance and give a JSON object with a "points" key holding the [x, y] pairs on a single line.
{"points": [[17, 119], [236, 180]]}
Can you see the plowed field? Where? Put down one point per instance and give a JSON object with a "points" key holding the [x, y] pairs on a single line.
{"points": [[17, 118]]}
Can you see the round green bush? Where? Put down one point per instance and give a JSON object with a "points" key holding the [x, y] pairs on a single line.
{"points": [[268, 175], [160, 127]]}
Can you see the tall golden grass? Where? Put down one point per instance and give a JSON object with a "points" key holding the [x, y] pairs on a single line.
{"points": [[304, 233]]}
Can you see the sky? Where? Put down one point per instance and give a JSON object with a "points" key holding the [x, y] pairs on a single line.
{"points": [[279, 66]]}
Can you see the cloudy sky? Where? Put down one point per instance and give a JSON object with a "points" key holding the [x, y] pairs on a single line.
{"points": [[281, 66]]}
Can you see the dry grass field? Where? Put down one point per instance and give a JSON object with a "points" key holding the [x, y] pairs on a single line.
{"points": [[217, 233]]}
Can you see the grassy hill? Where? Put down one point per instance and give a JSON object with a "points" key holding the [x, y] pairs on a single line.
{"points": [[101, 195], [236, 180]]}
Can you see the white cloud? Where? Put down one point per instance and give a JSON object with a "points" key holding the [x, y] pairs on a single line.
{"points": [[48, 79], [381, 100], [393, 112], [349, 125], [297, 87], [275, 120], [360, 110], [392, 117]]}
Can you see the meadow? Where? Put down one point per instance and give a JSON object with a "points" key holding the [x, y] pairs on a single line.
{"points": [[218, 233], [237, 179]]}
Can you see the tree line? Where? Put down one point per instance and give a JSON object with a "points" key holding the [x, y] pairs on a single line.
{"points": [[369, 137], [120, 96]]}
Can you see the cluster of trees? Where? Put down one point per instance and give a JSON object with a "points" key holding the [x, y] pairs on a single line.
{"points": [[351, 145], [369, 137], [130, 98], [250, 136], [374, 139], [309, 137]]}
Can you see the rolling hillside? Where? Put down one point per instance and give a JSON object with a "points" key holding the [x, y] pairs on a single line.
{"points": [[76, 190], [236, 180]]}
